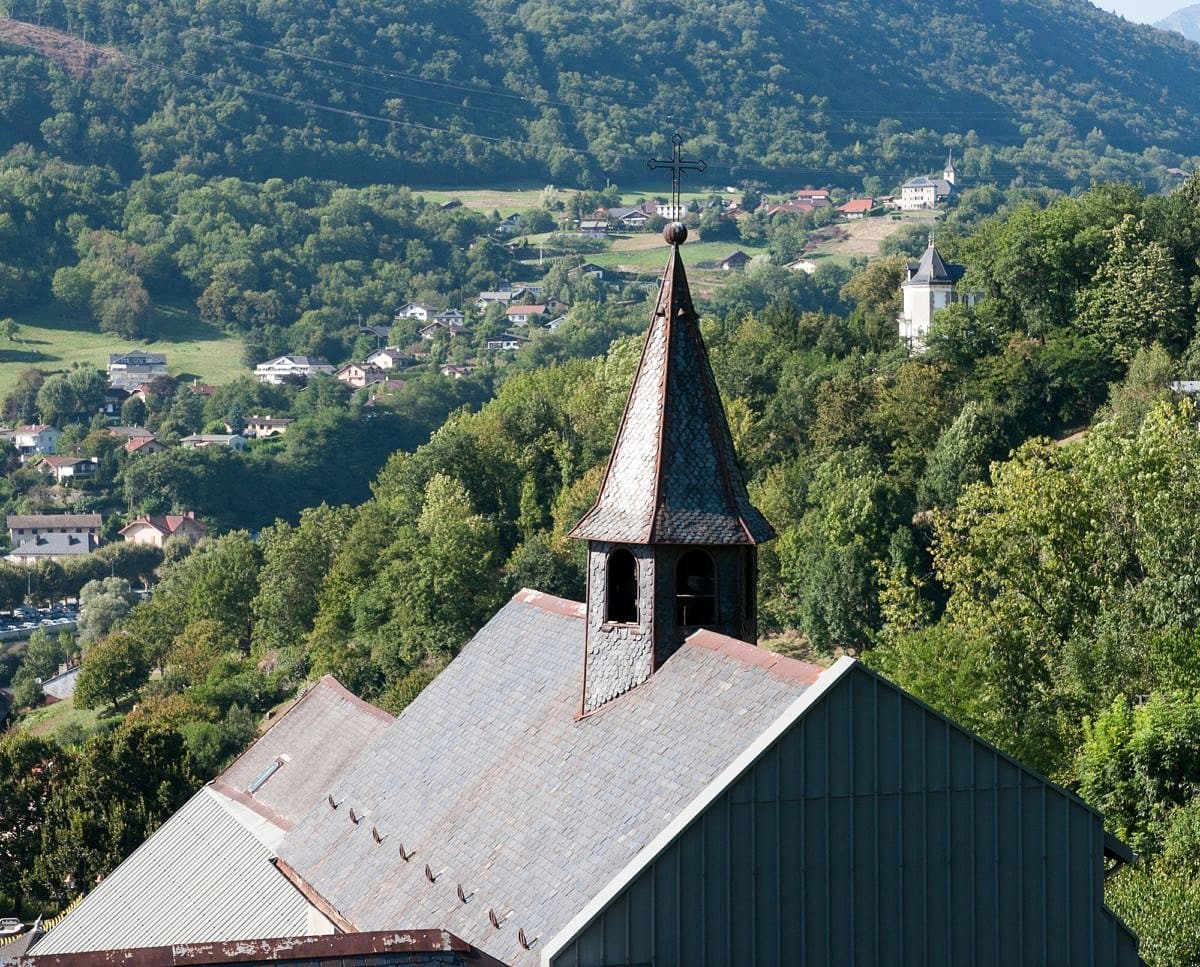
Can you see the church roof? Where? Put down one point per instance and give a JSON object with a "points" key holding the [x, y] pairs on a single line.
{"points": [[490, 781], [933, 270], [673, 477], [304, 752], [206, 875]]}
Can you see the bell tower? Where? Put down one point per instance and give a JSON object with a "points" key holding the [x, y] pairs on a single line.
{"points": [[672, 536]]}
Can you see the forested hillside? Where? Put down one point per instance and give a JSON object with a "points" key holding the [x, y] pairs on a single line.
{"points": [[1049, 91]]}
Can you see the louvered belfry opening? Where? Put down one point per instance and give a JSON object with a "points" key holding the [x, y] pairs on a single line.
{"points": [[672, 536]]}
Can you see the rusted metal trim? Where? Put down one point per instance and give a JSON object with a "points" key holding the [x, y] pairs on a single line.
{"points": [[748, 654], [312, 896], [666, 303], [279, 949], [551, 603], [328, 681], [244, 798]]}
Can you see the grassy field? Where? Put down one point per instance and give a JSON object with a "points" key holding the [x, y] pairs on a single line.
{"points": [[49, 720], [648, 253], [51, 342]]}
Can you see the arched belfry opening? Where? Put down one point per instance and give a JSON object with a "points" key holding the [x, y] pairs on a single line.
{"points": [[621, 588], [672, 537], [695, 590]]}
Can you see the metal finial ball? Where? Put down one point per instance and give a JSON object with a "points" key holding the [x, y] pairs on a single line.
{"points": [[675, 233]]}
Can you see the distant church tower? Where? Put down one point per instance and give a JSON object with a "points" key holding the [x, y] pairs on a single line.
{"points": [[948, 174], [929, 285], [672, 536]]}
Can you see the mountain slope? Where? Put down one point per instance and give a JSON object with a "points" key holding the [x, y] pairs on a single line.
{"points": [[567, 90], [1185, 21]]}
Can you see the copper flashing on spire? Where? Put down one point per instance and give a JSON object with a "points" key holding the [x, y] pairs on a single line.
{"points": [[673, 477]]}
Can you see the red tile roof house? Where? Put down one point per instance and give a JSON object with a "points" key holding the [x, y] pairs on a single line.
{"points": [[857, 208], [155, 530], [144, 445]]}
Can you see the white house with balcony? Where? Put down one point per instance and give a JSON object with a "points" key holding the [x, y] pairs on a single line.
{"points": [[282, 367]]}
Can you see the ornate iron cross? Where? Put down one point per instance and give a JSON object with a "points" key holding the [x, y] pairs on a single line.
{"points": [[678, 166]]}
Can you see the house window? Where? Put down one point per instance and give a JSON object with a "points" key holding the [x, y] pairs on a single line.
{"points": [[695, 590], [620, 601]]}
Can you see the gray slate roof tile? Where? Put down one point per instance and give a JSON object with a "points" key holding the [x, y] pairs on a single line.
{"points": [[497, 784]]}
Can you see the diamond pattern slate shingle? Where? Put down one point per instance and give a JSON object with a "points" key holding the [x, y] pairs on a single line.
{"points": [[673, 477], [496, 784]]}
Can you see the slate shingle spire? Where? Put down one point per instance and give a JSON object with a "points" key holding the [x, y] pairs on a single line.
{"points": [[672, 535]]}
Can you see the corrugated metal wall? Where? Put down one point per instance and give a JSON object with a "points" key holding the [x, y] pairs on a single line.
{"points": [[873, 832]]}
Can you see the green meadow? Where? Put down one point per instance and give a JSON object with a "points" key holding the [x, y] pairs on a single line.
{"points": [[51, 341]]}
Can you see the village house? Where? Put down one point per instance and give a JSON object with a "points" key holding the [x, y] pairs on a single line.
{"points": [[504, 296], [450, 317], [672, 212], [523, 315], [421, 311], [455, 371], [22, 526], [114, 399], [856, 208], [509, 225], [199, 440], [593, 227], [807, 266], [390, 357], [791, 207], [291, 367], [36, 439], [589, 269], [144, 446], [814, 197], [734, 262], [507, 341], [358, 375], [130, 432], [261, 427], [155, 530], [555, 324], [631, 219], [630, 779], [431, 330], [66, 468], [129, 370], [51, 547]]}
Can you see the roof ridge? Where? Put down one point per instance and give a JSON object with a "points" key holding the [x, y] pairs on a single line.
{"points": [[551, 603], [750, 654], [331, 683]]}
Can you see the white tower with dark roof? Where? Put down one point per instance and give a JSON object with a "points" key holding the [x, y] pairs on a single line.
{"points": [[929, 286], [672, 535]]}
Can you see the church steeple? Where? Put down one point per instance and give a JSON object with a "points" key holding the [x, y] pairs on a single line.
{"points": [[672, 535], [948, 174]]}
